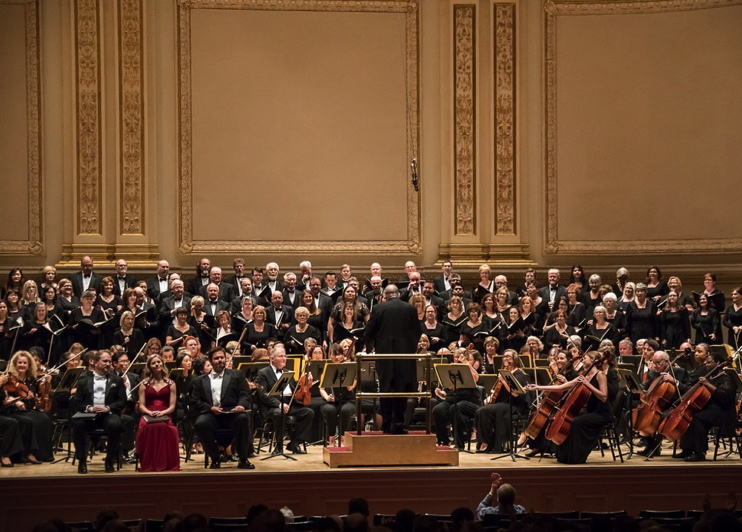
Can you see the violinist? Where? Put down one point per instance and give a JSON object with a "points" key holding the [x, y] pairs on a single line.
{"points": [[266, 379], [493, 419], [12, 443], [468, 400], [337, 401], [18, 397], [585, 428], [719, 411]]}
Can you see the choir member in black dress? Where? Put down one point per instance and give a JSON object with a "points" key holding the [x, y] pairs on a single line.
{"points": [[468, 401], [515, 337], [14, 282], [180, 329], [87, 333], [491, 345], [485, 286], [674, 323], [454, 319], [591, 297], [733, 320], [489, 310], [475, 329], [433, 329], [674, 284], [613, 314], [540, 305], [628, 295], [316, 317], [242, 314], [705, 320], [559, 333], [110, 304], [533, 320], [13, 301], [127, 336], [5, 337], [32, 336], [641, 317], [656, 286], [718, 302], [68, 302], [576, 313], [49, 298], [502, 302], [578, 278], [301, 330], [493, 419], [29, 298], [719, 411], [600, 330], [622, 276], [259, 332], [585, 428]]}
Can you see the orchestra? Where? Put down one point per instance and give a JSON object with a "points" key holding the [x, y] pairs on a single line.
{"points": [[77, 348]]}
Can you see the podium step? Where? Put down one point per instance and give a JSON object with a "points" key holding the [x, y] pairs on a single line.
{"points": [[378, 449]]}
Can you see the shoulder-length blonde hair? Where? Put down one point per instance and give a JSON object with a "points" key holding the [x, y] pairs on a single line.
{"points": [[31, 364]]}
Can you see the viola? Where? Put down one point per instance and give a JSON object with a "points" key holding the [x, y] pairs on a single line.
{"points": [[646, 417], [692, 401]]}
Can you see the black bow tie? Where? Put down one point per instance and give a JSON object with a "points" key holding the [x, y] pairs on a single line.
{"points": [[279, 371], [86, 276]]}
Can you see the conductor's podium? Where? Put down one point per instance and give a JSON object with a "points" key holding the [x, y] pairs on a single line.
{"points": [[378, 449]]}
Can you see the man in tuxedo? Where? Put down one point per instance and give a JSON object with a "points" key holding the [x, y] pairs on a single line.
{"points": [[345, 275], [201, 278], [177, 299], [221, 399], [238, 265], [149, 322], [375, 272], [394, 329], [305, 267], [246, 292], [322, 301], [279, 314], [409, 269], [412, 288], [331, 287], [432, 299], [158, 283], [101, 393], [86, 278], [552, 292], [502, 282], [266, 379], [291, 295], [271, 282], [123, 279], [373, 296], [129, 417], [212, 303], [441, 283], [226, 290]]}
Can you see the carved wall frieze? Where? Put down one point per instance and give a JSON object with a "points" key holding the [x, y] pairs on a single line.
{"points": [[34, 244], [464, 105], [552, 243], [87, 58], [187, 244], [132, 117], [504, 54]]}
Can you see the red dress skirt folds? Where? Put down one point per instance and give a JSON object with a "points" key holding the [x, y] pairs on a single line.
{"points": [[157, 443]]}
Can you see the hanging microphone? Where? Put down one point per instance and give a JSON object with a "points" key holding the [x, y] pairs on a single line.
{"points": [[413, 164]]}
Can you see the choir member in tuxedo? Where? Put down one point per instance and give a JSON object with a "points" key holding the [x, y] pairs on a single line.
{"points": [[123, 279], [409, 268], [158, 283], [705, 320], [279, 315], [238, 265], [246, 291], [149, 321], [441, 283], [322, 301], [346, 274], [100, 392], [330, 288], [431, 298], [375, 272], [552, 292], [86, 278], [266, 379], [129, 415], [221, 399], [291, 295], [373, 296], [305, 269], [212, 302], [413, 287], [226, 291], [271, 283], [201, 279], [393, 328], [733, 320], [172, 302]]}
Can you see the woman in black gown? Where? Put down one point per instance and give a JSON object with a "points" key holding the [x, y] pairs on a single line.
{"points": [[433, 329], [600, 330], [585, 428], [259, 333], [674, 323], [301, 330], [656, 286], [485, 286], [473, 330], [131, 338], [641, 317], [705, 320], [86, 334], [558, 334], [110, 304], [733, 320]]}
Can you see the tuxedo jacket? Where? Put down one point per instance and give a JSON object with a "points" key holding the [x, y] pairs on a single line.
{"points": [[235, 391], [287, 317], [264, 292], [439, 284], [325, 306], [76, 279], [115, 393], [220, 305], [235, 282], [153, 287], [367, 285], [168, 304], [226, 292], [297, 298], [373, 299], [266, 379], [195, 284], [544, 293], [129, 282]]}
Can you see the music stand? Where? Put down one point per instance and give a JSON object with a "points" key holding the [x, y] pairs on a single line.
{"points": [[316, 368], [633, 387], [634, 360], [277, 390], [517, 389], [455, 376], [251, 369], [338, 376], [368, 374]]}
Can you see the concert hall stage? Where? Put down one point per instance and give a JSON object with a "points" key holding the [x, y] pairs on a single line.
{"points": [[32, 494]]}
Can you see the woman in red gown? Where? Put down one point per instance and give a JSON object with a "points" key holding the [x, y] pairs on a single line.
{"points": [[157, 438]]}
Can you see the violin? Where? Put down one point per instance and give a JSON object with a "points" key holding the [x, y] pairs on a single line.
{"points": [[303, 390], [17, 388]]}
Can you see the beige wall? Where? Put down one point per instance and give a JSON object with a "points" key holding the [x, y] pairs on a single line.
{"points": [[545, 134]]}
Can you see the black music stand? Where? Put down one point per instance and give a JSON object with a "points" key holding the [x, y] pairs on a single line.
{"points": [[633, 387], [455, 376], [368, 374], [277, 390], [517, 389], [338, 376]]}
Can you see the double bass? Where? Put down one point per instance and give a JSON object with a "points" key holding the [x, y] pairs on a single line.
{"points": [[692, 402]]}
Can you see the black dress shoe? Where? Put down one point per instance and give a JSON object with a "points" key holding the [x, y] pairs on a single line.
{"points": [[109, 467], [696, 457], [483, 451], [647, 450], [683, 455], [9, 464], [532, 453], [296, 448], [245, 464], [82, 468], [215, 464]]}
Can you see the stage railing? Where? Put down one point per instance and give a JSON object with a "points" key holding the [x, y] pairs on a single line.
{"points": [[360, 395]]}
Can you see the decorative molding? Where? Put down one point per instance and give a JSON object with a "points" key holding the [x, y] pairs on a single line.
{"points": [[131, 112], [464, 105], [505, 91], [552, 244], [87, 59], [34, 245], [187, 245]]}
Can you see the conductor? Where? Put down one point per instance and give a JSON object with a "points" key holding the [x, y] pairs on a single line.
{"points": [[394, 329]]}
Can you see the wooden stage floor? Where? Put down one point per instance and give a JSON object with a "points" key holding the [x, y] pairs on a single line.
{"points": [[35, 493]]}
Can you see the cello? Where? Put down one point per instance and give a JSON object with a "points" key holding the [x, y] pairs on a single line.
{"points": [[646, 417], [545, 409], [692, 402]]}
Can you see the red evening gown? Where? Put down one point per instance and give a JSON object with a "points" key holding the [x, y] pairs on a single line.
{"points": [[157, 443]]}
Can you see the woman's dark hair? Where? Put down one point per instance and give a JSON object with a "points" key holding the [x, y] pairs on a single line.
{"points": [[659, 273], [9, 282], [581, 279], [198, 365]]}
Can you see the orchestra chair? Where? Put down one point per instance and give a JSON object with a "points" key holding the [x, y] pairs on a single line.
{"points": [[728, 440], [610, 432], [92, 438]]}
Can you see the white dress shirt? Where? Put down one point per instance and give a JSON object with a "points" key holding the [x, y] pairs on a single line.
{"points": [[99, 389], [216, 387]]}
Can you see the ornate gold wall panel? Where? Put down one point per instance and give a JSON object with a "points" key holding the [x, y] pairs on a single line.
{"points": [[196, 243], [34, 243], [87, 71], [131, 117], [653, 244], [504, 24], [464, 105]]}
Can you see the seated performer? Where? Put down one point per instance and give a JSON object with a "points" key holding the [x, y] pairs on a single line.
{"points": [[337, 401], [220, 399], [266, 379], [102, 393], [468, 400]]}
